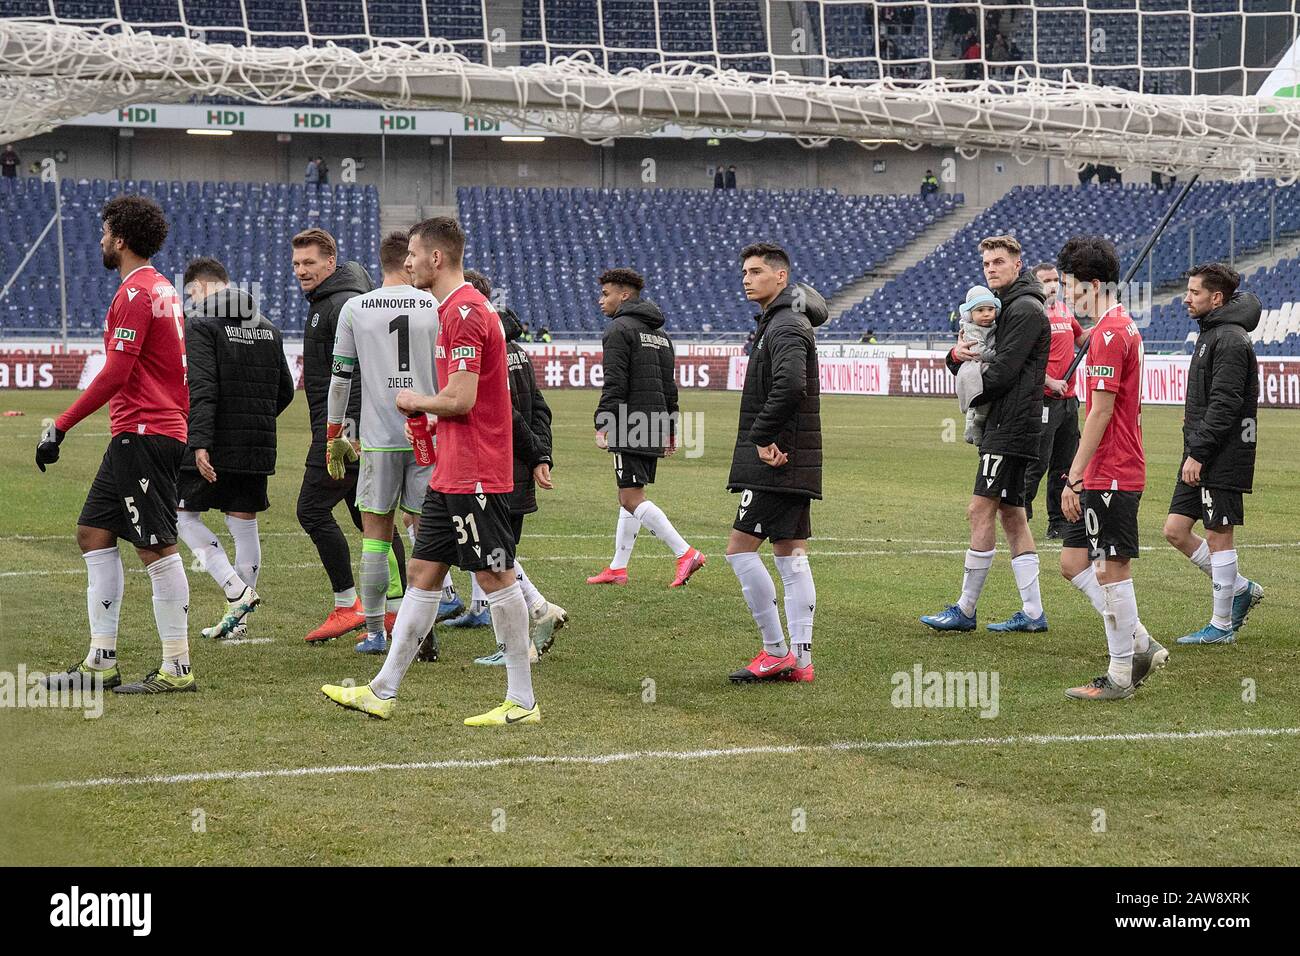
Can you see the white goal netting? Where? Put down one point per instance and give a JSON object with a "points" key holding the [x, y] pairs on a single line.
{"points": [[1176, 85]]}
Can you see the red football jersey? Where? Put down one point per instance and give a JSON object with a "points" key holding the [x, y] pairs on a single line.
{"points": [[145, 318], [475, 450], [1115, 365], [1065, 329]]}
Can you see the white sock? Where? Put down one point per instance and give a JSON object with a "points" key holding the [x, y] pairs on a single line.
{"points": [[345, 598], [800, 603], [419, 608], [1201, 556], [478, 599], [1223, 572], [1121, 622], [624, 539], [204, 543], [532, 597], [972, 582], [410, 536], [760, 594], [510, 622], [1086, 581], [1025, 568], [171, 606], [448, 588], [650, 515], [248, 548], [104, 605]]}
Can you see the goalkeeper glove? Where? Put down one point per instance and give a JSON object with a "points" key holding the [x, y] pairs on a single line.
{"points": [[47, 451], [338, 451]]}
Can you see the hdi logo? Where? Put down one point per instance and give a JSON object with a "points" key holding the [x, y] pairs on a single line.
{"points": [[396, 121], [482, 124], [137, 114], [225, 117], [311, 120]]}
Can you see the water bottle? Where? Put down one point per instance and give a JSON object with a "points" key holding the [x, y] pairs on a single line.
{"points": [[421, 439]]}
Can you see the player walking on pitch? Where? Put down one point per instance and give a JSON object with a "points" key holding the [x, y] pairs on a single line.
{"points": [[133, 495], [1220, 431], [532, 467], [637, 420], [387, 337], [1104, 486], [777, 464], [466, 515], [1012, 386], [239, 385]]}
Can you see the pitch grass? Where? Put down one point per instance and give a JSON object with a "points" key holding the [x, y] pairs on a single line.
{"points": [[890, 534]]}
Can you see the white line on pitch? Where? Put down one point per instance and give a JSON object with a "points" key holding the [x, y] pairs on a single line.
{"points": [[597, 760]]}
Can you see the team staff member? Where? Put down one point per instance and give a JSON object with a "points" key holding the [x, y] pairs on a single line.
{"points": [[326, 286], [239, 383]]}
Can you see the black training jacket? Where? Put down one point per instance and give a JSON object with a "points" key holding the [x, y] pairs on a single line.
{"points": [[638, 403], [1220, 419], [781, 400], [239, 382], [325, 301], [532, 418], [1013, 381]]}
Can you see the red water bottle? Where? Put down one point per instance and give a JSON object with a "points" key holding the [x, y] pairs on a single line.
{"points": [[421, 439]]}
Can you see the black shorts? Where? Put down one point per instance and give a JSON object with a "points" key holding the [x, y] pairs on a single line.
{"points": [[634, 471], [1002, 477], [1109, 526], [517, 526], [230, 492], [1213, 507], [771, 515], [472, 532], [134, 492]]}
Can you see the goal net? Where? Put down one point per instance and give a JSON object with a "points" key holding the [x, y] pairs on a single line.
{"points": [[1175, 85]]}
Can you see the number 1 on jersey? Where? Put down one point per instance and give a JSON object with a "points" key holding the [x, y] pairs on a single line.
{"points": [[402, 326]]}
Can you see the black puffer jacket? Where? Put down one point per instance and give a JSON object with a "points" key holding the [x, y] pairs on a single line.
{"points": [[239, 382], [1221, 417], [638, 403], [532, 418], [781, 401], [1013, 381], [325, 301]]}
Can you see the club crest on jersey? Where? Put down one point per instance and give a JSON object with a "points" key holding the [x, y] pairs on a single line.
{"points": [[126, 335], [315, 320]]}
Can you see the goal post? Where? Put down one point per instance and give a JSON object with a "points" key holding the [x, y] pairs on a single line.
{"points": [[1064, 81]]}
